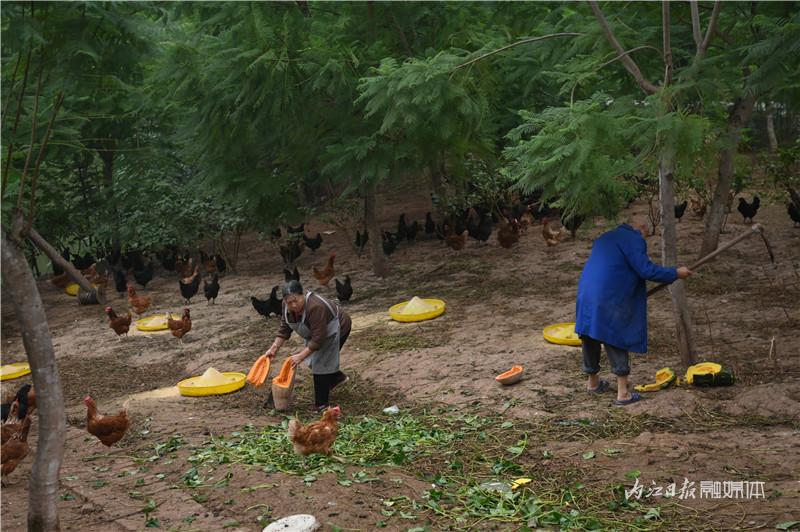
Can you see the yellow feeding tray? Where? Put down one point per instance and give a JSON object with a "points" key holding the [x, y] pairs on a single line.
{"points": [[562, 334], [14, 371], [155, 323], [212, 382], [417, 309], [73, 288]]}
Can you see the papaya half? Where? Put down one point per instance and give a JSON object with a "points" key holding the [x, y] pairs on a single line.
{"points": [[259, 372], [286, 376]]}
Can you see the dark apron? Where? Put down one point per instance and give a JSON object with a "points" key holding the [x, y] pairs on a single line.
{"points": [[324, 360]]}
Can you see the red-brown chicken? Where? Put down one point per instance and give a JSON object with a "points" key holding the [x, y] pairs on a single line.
{"points": [[325, 275], [456, 242], [180, 327], [9, 429], [14, 450], [550, 236], [139, 304], [120, 324], [317, 437], [108, 429], [509, 232]]}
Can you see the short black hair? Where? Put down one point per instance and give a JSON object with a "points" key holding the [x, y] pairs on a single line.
{"points": [[292, 287]]}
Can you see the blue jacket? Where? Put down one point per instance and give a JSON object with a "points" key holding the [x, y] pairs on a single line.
{"points": [[612, 296]]}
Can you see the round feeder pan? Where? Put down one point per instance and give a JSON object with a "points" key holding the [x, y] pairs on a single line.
{"points": [[562, 334], [396, 311], [193, 387], [14, 371], [155, 323]]}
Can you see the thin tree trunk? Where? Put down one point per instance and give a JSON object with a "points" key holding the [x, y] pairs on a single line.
{"points": [[375, 241], [43, 485], [737, 120], [773, 140], [107, 156], [669, 257]]}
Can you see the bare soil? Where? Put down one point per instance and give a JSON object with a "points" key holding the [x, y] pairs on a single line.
{"points": [[498, 302]]}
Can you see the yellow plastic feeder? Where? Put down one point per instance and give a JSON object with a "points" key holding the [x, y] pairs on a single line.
{"points": [[562, 334], [155, 323], [72, 289], [14, 371], [417, 309], [212, 382]]}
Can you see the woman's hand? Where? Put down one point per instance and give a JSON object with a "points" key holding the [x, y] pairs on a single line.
{"points": [[272, 351], [296, 359]]}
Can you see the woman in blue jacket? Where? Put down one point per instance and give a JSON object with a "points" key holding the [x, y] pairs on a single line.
{"points": [[612, 303]]}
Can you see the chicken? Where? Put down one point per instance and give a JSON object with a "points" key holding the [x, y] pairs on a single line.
{"points": [[573, 223], [551, 237], [325, 275], [430, 225], [108, 429], [456, 241], [479, 226], [402, 228], [168, 257], [185, 266], [145, 275], [698, 207], [509, 232], [680, 210], [190, 285], [748, 210], [119, 324], [269, 306], [296, 231], [317, 437], [180, 327], [15, 449], [794, 213], [389, 242], [120, 280], [25, 399], [344, 290], [411, 231], [9, 428], [361, 241], [291, 276], [211, 290], [139, 304], [209, 263], [313, 243], [222, 265], [292, 250]]}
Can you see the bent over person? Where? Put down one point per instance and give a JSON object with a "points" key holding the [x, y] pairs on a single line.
{"points": [[612, 303], [324, 327]]}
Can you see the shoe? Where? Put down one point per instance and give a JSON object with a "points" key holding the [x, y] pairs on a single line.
{"points": [[603, 386], [343, 379], [634, 398]]}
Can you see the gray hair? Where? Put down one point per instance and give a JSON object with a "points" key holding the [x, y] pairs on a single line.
{"points": [[292, 287], [637, 220]]}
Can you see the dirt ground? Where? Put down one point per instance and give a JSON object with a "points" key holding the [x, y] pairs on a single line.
{"points": [[498, 302]]}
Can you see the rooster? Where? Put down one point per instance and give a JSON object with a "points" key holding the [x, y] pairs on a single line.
{"points": [[344, 290], [119, 324], [211, 290], [14, 450], [748, 210], [108, 429], [269, 306], [325, 275], [180, 327], [315, 437], [190, 285], [551, 237], [139, 304]]}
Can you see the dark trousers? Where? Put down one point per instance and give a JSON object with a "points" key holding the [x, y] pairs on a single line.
{"points": [[618, 358], [324, 383]]}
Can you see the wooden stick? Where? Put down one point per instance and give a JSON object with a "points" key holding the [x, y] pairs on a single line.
{"points": [[755, 229]]}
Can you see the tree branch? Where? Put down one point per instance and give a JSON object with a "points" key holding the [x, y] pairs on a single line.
{"points": [[665, 27], [629, 63], [33, 136], [11, 85], [710, 30], [524, 41], [629, 52], [698, 38], [16, 120], [35, 176]]}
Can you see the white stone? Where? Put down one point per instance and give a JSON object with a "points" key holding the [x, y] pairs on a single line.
{"points": [[294, 523]]}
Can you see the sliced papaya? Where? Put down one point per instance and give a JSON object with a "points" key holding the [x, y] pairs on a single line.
{"points": [[257, 369], [262, 373], [286, 376]]}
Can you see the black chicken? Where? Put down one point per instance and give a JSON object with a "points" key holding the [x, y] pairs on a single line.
{"points": [[480, 227], [22, 397], [291, 276], [189, 286], [748, 210], [389, 243], [265, 307], [211, 290], [412, 230], [344, 291], [120, 281], [402, 228], [430, 225], [220, 263], [313, 243], [168, 257], [573, 223], [794, 213], [680, 209], [145, 275], [361, 241]]}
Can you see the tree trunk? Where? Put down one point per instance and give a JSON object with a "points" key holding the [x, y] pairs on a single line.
{"points": [[669, 257], [773, 140], [107, 156], [379, 266], [43, 485], [737, 120]]}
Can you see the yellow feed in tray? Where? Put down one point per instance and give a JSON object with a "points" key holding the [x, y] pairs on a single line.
{"points": [[417, 309], [212, 382], [14, 371], [562, 334]]}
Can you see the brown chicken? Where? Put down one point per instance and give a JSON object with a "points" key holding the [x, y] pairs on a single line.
{"points": [[509, 232], [108, 429], [11, 398], [325, 275], [185, 267], [9, 429], [317, 437], [14, 450], [698, 207], [120, 324], [139, 304], [456, 242], [180, 327], [551, 237]]}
